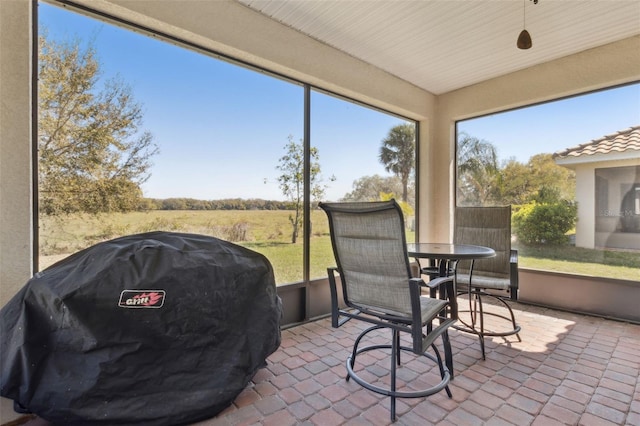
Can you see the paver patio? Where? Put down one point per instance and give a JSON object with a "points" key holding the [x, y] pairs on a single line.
{"points": [[569, 369]]}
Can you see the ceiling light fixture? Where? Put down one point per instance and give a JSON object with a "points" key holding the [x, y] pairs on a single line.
{"points": [[524, 39]]}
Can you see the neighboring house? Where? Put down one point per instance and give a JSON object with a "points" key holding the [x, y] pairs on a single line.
{"points": [[607, 189]]}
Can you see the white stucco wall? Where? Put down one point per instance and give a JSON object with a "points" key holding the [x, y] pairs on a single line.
{"points": [[585, 191], [15, 147], [15, 156]]}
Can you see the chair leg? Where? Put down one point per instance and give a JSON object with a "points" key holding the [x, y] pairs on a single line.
{"points": [[477, 313], [513, 319], [441, 366], [515, 327], [356, 344], [448, 355], [473, 308], [391, 390], [394, 355], [481, 335]]}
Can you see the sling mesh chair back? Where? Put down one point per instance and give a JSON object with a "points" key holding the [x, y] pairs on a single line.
{"points": [[373, 267], [495, 277]]}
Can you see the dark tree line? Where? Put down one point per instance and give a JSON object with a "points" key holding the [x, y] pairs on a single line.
{"points": [[225, 204]]}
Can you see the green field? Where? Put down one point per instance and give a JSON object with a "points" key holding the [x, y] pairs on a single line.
{"points": [[269, 232], [265, 231]]}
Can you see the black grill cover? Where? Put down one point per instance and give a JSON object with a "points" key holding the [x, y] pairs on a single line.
{"points": [[150, 329]]}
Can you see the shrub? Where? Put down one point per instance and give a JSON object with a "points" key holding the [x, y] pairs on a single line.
{"points": [[237, 232], [161, 224], [110, 230], [545, 223]]}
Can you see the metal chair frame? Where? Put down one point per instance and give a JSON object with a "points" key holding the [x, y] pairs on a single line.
{"points": [[425, 319], [476, 292]]}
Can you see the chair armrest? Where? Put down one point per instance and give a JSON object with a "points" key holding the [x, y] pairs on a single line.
{"points": [[443, 288], [335, 309], [440, 281]]}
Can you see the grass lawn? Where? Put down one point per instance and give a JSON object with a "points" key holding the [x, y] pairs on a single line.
{"points": [[265, 231], [575, 260], [269, 233]]}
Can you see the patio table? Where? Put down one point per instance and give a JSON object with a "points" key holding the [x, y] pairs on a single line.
{"points": [[444, 258], [447, 255]]}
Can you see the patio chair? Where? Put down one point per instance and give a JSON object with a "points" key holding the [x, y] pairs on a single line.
{"points": [[495, 277], [370, 249]]}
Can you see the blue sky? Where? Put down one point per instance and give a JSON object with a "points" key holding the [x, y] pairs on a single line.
{"points": [[201, 110], [555, 126]]}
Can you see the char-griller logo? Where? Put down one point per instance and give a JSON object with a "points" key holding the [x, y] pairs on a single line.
{"points": [[141, 299]]}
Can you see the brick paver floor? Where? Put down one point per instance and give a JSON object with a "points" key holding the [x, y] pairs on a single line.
{"points": [[569, 369]]}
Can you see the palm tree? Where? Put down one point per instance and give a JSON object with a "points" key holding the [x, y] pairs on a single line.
{"points": [[398, 154], [477, 171]]}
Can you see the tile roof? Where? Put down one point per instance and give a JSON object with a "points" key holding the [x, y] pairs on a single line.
{"points": [[624, 140]]}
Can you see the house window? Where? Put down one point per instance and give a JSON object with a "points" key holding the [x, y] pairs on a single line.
{"points": [[618, 212]]}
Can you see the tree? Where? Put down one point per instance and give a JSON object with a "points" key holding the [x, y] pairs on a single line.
{"points": [[398, 154], [515, 185], [92, 155], [478, 173], [292, 180], [540, 180], [368, 188], [550, 178], [407, 209]]}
